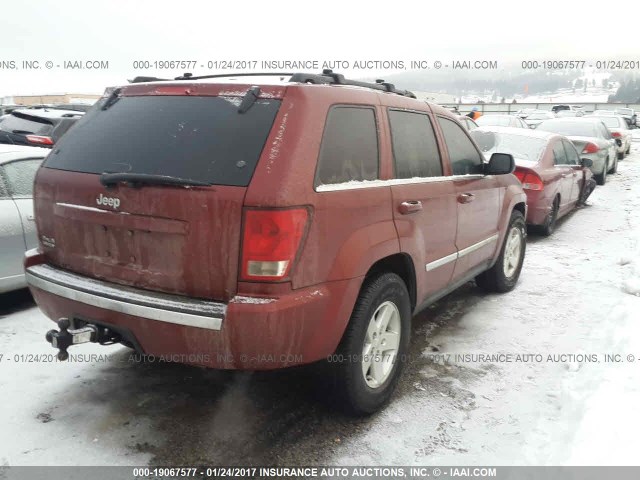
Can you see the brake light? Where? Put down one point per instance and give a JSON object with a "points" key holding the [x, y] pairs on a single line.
{"points": [[39, 139], [271, 240], [530, 180], [590, 148], [616, 134]]}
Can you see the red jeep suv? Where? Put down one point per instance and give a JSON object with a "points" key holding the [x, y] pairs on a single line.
{"points": [[235, 225]]}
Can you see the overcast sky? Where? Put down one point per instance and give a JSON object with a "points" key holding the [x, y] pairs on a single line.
{"points": [[123, 31]]}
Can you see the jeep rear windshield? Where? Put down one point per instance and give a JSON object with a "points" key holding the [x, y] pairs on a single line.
{"points": [[197, 138]]}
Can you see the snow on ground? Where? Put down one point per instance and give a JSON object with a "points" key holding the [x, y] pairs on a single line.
{"points": [[571, 299], [577, 299]]}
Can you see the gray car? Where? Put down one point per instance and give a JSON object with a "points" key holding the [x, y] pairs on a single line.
{"points": [[497, 120], [18, 166], [592, 139]]}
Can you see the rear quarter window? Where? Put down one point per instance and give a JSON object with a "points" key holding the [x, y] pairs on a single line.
{"points": [[20, 175], [349, 149], [415, 149], [14, 123]]}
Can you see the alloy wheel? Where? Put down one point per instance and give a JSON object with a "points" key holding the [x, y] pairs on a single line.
{"points": [[512, 251], [381, 344]]}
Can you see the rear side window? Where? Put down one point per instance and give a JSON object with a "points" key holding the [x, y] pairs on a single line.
{"points": [[604, 131], [26, 124], [62, 128], [464, 157], [20, 175], [559, 155], [572, 155], [415, 149], [349, 150], [194, 138]]}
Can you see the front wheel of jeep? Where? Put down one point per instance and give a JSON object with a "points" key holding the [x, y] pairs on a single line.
{"points": [[370, 357]]}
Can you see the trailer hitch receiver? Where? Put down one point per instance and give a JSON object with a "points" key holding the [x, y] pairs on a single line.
{"points": [[86, 333]]}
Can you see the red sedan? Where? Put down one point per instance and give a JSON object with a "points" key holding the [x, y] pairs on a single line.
{"points": [[549, 167]]}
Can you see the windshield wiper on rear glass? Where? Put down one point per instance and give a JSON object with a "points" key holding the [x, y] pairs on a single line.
{"points": [[139, 179]]}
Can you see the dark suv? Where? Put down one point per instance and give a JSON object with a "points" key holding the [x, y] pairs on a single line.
{"points": [[241, 226], [36, 127]]}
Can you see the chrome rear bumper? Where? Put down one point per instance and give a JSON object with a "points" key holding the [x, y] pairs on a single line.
{"points": [[128, 300]]}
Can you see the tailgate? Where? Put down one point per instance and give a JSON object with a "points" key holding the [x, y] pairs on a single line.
{"points": [[180, 239], [170, 239]]}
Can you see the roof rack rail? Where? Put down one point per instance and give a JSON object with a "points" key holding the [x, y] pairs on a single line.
{"points": [[189, 76], [327, 77]]}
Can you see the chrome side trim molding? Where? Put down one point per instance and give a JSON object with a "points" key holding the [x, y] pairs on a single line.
{"points": [[441, 261], [461, 253], [476, 246], [131, 301]]}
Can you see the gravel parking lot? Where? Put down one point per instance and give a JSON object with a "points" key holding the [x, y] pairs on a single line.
{"points": [[576, 296]]}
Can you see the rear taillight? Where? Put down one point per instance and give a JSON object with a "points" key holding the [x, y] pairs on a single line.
{"points": [[39, 139], [530, 180], [270, 243], [590, 148], [616, 134]]}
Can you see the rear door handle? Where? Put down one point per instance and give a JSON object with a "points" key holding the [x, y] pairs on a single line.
{"points": [[31, 218], [466, 197], [410, 206]]}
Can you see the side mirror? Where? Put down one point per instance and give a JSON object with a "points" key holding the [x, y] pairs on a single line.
{"points": [[500, 164], [586, 162], [618, 142]]}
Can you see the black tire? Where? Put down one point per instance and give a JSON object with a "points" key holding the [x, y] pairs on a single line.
{"points": [[549, 225], [601, 178], [352, 393], [628, 150], [494, 279]]}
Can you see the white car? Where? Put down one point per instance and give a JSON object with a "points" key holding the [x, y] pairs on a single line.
{"points": [[629, 115], [536, 119], [18, 166]]}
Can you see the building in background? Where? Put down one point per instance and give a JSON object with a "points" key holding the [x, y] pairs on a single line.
{"points": [[27, 100]]}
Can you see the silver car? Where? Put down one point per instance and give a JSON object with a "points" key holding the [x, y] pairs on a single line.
{"points": [[619, 128], [592, 139], [497, 120], [537, 118], [18, 166]]}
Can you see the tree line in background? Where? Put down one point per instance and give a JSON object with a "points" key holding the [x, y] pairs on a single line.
{"points": [[504, 83], [628, 91], [513, 81]]}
